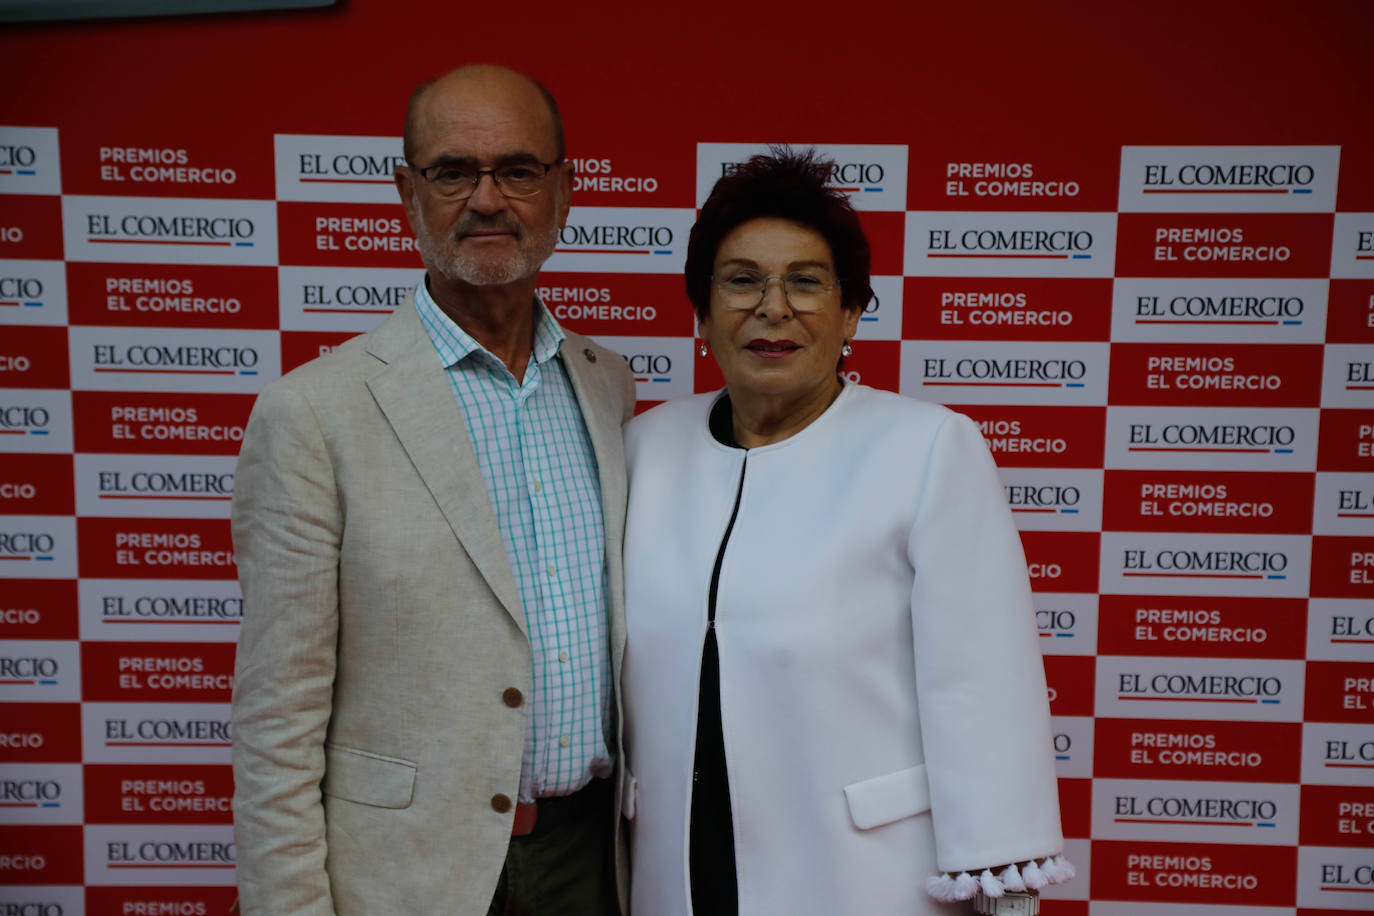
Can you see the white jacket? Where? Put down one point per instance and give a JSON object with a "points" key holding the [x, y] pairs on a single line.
{"points": [[883, 697]]}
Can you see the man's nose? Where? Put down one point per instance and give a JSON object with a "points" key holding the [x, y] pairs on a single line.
{"points": [[487, 196]]}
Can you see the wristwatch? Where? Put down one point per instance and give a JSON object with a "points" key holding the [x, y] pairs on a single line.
{"points": [[1009, 904]]}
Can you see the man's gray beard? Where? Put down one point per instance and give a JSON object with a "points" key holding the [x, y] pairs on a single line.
{"points": [[533, 250]]}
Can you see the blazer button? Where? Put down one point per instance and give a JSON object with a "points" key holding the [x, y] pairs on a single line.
{"points": [[500, 803], [512, 697], [591, 357]]}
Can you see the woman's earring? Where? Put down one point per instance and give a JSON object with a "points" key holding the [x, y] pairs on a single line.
{"points": [[701, 350], [846, 350]]}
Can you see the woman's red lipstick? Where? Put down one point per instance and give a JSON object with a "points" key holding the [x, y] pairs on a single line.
{"points": [[771, 349]]}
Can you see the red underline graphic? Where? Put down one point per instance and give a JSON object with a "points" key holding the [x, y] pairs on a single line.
{"points": [[596, 251], [1364, 257], [1359, 387], [1350, 766], [1000, 384], [9, 303], [1201, 321], [1051, 511], [1146, 820], [1187, 699], [26, 557], [1351, 890], [345, 180], [152, 242], [1355, 515], [1188, 575], [161, 865], [11, 432], [141, 496], [231, 622], [168, 744], [1358, 642], [1214, 191], [18, 804], [1054, 256], [348, 311], [1142, 448], [175, 371]]}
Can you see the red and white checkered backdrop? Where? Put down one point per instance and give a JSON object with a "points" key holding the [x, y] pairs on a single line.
{"points": [[1134, 241]]}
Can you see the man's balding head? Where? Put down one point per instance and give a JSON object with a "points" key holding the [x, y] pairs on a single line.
{"points": [[476, 78], [478, 120]]}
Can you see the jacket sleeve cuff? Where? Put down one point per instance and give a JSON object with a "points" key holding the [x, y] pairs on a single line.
{"points": [[1031, 875]]}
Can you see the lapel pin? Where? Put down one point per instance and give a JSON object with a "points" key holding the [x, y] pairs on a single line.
{"points": [[591, 357]]}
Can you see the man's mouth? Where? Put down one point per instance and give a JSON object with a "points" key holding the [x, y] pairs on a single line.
{"points": [[475, 230]]}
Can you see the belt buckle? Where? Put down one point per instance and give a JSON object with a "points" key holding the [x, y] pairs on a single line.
{"points": [[525, 815]]}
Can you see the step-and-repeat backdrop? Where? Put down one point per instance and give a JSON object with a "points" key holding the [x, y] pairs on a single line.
{"points": [[1163, 322]]}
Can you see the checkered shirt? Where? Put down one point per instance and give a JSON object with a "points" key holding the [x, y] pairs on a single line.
{"points": [[540, 472]]}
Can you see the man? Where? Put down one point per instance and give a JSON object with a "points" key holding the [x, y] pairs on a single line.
{"points": [[428, 525]]}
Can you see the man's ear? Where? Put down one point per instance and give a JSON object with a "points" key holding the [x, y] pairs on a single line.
{"points": [[565, 185], [405, 186]]}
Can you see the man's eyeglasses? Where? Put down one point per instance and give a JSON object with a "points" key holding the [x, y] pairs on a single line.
{"points": [[458, 182], [807, 290]]}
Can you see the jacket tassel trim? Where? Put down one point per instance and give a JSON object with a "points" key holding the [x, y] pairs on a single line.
{"points": [[1031, 875]]}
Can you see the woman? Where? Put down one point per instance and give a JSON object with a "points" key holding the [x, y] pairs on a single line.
{"points": [[832, 677]]}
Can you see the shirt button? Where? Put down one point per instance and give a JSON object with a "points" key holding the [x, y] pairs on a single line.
{"points": [[563, 656], [538, 487], [563, 741], [553, 570], [512, 697], [500, 803]]}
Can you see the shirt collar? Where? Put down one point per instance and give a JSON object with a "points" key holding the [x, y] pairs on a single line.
{"points": [[454, 344]]}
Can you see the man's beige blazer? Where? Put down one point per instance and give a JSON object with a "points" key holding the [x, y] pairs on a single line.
{"points": [[383, 632]]}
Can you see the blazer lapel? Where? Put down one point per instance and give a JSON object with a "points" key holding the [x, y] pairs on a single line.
{"points": [[601, 413], [414, 394], [602, 418]]}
